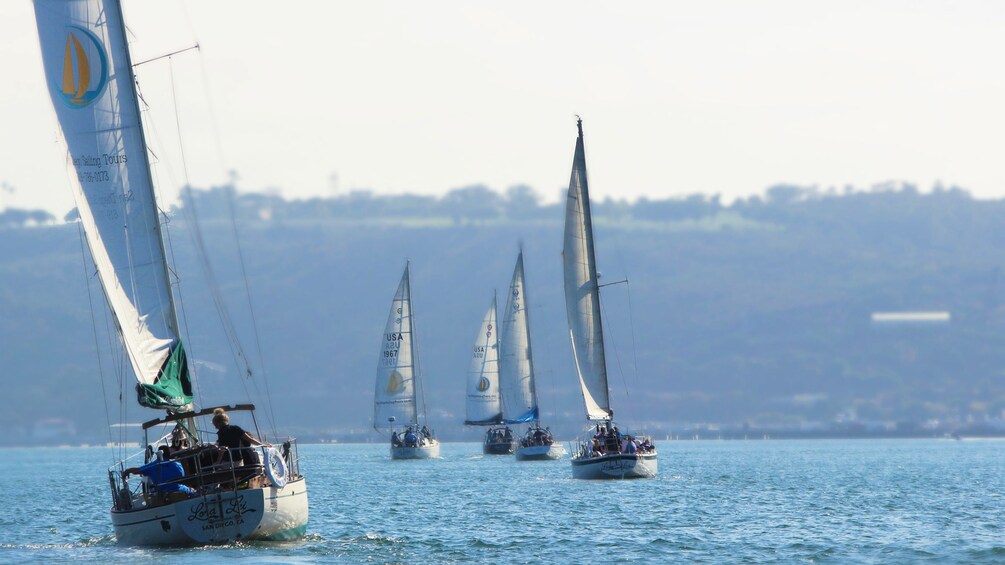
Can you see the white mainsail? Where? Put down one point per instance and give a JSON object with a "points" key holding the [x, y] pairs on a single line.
{"points": [[90, 79], [516, 364], [582, 291], [394, 395], [483, 377]]}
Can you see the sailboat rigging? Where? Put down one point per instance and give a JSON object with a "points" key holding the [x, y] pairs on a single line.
{"points": [[517, 377], [192, 487], [483, 405], [609, 454], [395, 406]]}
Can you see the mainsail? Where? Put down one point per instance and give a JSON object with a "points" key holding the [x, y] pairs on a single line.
{"points": [[90, 79], [394, 395], [582, 291], [483, 377], [516, 365]]}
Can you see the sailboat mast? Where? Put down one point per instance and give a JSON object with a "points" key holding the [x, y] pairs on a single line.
{"points": [[530, 353], [591, 256], [143, 144], [413, 347], [582, 290], [188, 425]]}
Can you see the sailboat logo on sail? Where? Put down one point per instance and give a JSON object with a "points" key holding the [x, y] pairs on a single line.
{"points": [[483, 384], [85, 69], [395, 383]]}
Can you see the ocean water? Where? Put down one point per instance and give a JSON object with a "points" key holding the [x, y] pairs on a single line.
{"points": [[763, 501]]}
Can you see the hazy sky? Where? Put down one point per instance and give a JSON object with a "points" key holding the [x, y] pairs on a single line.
{"points": [[677, 97]]}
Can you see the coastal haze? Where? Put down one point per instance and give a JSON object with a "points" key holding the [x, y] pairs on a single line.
{"points": [[799, 313]]}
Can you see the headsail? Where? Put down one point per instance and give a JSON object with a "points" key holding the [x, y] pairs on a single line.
{"points": [[582, 291], [483, 377], [516, 364], [90, 79], [394, 395]]}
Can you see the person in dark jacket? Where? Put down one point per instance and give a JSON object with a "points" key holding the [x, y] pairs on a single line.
{"points": [[236, 441]]}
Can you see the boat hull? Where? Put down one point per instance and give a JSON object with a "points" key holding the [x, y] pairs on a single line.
{"points": [[431, 451], [540, 452], [617, 466], [498, 447], [250, 514]]}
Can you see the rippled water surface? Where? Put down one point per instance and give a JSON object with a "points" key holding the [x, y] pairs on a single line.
{"points": [[883, 501]]}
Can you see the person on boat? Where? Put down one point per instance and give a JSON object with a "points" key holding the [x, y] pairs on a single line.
{"points": [[235, 439], [425, 431], [410, 438], [508, 434], [163, 474], [629, 446], [395, 440], [613, 445]]}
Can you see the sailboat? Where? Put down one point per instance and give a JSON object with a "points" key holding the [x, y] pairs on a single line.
{"points": [[482, 406], [193, 492], [609, 454], [395, 408], [516, 375]]}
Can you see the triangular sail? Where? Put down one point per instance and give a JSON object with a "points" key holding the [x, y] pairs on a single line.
{"points": [[89, 74], [516, 364], [582, 292], [394, 395], [483, 377]]}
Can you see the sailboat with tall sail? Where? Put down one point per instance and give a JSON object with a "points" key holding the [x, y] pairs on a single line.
{"points": [[395, 406], [516, 375], [608, 454], [193, 491], [482, 405]]}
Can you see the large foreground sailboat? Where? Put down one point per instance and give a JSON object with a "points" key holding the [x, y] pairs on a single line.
{"points": [[609, 454], [516, 375], [482, 406], [193, 491], [395, 406]]}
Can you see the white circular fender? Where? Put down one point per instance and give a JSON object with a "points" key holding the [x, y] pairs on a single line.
{"points": [[275, 467]]}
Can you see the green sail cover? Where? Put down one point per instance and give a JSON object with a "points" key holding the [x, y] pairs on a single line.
{"points": [[172, 389]]}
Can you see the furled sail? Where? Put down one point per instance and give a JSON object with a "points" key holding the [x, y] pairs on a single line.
{"points": [[394, 395], [582, 291], [90, 81], [516, 364], [483, 377]]}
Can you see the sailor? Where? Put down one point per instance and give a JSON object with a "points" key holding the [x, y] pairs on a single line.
{"points": [[163, 474]]}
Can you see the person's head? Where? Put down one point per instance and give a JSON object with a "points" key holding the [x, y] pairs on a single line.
{"points": [[220, 418]]}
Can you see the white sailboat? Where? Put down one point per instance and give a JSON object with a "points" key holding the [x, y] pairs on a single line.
{"points": [[194, 495], [395, 406], [483, 407], [516, 375], [608, 454]]}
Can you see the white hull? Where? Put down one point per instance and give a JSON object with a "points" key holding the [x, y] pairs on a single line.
{"points": [[431, 451], [250, 514], [618, 466], [540, 452]]}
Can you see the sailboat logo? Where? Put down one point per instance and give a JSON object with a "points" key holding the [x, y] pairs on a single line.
{"points": [[483, 384], [85, 68], [395, 383]]}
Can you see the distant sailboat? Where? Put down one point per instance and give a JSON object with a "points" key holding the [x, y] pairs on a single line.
{"points": [[483, 407], [193, 493], [516, 375], [395, 406], [608, 454]]}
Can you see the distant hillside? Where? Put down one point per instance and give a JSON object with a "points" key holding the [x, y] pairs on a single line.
{"points": [[750, 315]]}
